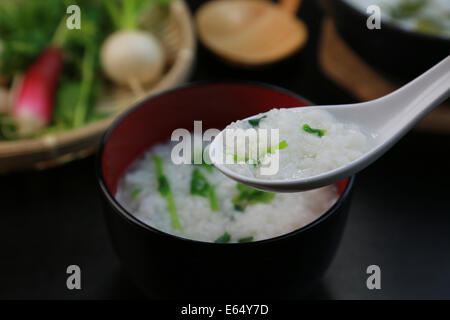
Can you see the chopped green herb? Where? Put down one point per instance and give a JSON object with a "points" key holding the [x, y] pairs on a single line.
{"points": [[8, 128], [208, 167], [199, 184], [255, 122], [158, 165], [430, 26], [248, 239], [283, 144], [135, 193], [225, 238], [407, 8], [320, 132], [237, 159], [201, 187], [213, 199], [173, 211], [164, 190], [163, 186], [248, 196]]}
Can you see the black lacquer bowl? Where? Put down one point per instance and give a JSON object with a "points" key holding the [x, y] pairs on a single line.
{"points": [[392, 49], [166, 266]]}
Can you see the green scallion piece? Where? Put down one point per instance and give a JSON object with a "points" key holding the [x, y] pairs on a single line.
{"points": [[255, 122], [135, 193], [247, 239], [248, 196], [225, 238], [319, 132]]}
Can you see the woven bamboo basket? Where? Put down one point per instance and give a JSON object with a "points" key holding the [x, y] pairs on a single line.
{"points": [[177, 36]]}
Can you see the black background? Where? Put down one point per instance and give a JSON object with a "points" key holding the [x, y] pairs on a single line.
{"points": [[399, 220]]}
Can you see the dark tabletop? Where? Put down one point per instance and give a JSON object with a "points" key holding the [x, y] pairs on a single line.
{"points": [[399, 220]]}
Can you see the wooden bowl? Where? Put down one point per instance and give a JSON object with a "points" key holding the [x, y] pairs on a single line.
{"points": [[251, 33], [177, 35]]}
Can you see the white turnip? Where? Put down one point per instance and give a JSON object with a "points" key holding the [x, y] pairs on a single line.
{"points": [[129, 55], [132, 57]]}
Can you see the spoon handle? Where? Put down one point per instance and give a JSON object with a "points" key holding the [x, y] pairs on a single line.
{"points": [[412, 102]]}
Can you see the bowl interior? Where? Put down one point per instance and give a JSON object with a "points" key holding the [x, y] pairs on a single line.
{"points": [[153, 120]]}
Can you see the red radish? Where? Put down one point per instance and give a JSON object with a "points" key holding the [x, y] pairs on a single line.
{"points": [[33, 105]]}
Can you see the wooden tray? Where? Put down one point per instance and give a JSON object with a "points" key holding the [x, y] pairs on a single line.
{"points": [[346, 68], [177, 35]]}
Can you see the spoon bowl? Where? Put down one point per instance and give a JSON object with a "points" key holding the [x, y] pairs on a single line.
{"points": [[384, 121]]}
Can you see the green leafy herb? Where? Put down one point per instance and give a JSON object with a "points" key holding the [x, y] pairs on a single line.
{"points": [[319, 132], [199, 184], [127, 14], [407, 8], [8, 128], [135, 193], [201, 187], [247, 239], [255, 122], [28, 27], [225, 238], [164, 190], [213, 199], [248, 196], [87, 80], [430, 26], [67, 93]]}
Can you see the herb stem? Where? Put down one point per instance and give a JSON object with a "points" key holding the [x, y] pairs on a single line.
{"points": [[201, 187], [164, 190], [129, 10], [173, 211], [87, 72], [114, 13], [60, 35], [248, 196], [212, 199]]}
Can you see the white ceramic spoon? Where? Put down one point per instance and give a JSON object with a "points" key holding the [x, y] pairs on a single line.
{"points": [[385, 120]]}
